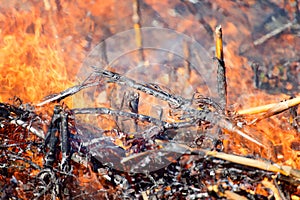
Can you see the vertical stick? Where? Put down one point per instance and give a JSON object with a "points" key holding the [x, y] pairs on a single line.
{"points": [[295, 10], [187, 57], [219, 43], [136, 18], [221, 72], [65, 143], [51, 139]]}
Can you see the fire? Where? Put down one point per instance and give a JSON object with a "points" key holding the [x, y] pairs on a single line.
{"points": [[43, 45], [28, 60], [36, 53]]}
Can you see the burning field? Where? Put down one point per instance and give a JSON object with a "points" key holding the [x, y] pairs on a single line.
{"points": [[146, 99]]}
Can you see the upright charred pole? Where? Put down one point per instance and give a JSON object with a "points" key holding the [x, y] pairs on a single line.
{"points": [[221, 72], [136, 18], [58, 127]]}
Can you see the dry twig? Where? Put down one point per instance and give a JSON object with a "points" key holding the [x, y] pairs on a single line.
{"points": [[259, 164], [269, 110], [271, 186], [272, 34], [136, 18]]}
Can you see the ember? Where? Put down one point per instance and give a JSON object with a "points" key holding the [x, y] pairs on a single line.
{"points": [[149, 114]]}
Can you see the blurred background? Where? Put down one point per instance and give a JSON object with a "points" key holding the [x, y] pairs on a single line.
{"points": [[44, 43]]}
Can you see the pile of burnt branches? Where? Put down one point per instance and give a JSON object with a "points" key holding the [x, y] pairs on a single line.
{"points": [[43, 157], [61, 155]]}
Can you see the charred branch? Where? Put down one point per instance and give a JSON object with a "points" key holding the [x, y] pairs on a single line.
{"points": [[221, 71], [237, 167], [177, 102]]}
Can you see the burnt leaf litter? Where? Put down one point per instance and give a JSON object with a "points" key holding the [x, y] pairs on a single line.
{"points": [[152, 164]]}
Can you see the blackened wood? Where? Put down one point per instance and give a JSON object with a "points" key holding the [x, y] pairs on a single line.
{"points": [[177, 102], [222, 84], [143, 118], [51, 139], [65, 143], [221, 71], [68, 92]]}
